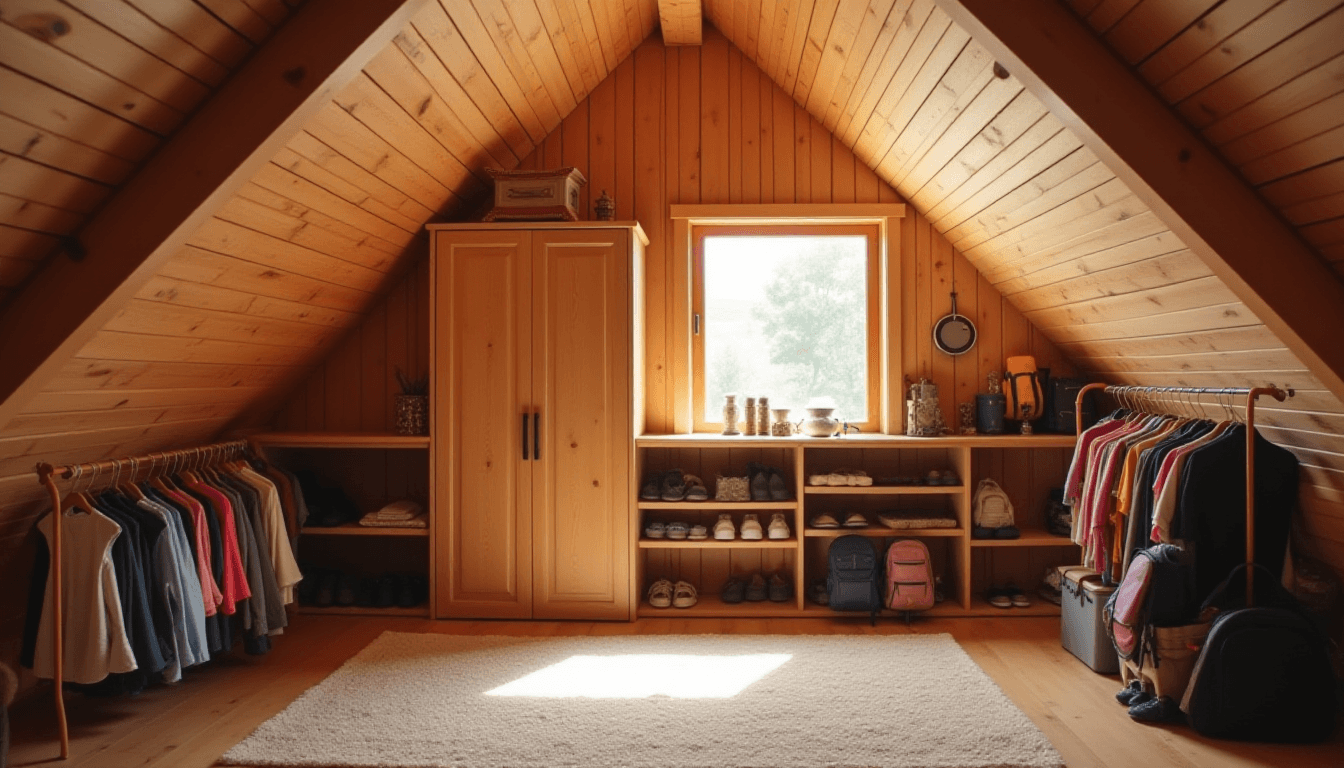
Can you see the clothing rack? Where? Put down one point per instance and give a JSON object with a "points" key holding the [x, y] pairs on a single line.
{"points": [[47, 474], [1151, 394]]}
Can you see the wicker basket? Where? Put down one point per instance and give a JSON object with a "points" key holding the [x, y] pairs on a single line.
{"points": [[412, 414], [732, 489]]}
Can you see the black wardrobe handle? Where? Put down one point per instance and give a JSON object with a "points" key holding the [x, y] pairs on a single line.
{"points": [[536, 435], [525, 436]]}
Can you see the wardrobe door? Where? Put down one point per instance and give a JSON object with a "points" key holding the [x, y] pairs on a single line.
{"points": [[482, 383], [582, 377]]}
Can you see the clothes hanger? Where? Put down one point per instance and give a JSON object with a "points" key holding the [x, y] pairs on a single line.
{"points": [[77, 500], [129, 488]]}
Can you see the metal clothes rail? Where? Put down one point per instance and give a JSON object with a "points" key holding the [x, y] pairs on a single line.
{"points": [[1153, 395], [47, 474]]}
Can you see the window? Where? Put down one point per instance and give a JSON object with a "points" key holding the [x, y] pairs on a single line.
{"points": [[790, 312]]}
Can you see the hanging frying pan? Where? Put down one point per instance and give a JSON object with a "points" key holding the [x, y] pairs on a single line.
{"points": [[954, 334]]}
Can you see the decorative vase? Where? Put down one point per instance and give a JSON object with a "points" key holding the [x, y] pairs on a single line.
{"points": [[730, 415], [781, 427], [924, 416], [762, 415], [749, 417], [605, 208], [820, 423], [412, 414]]}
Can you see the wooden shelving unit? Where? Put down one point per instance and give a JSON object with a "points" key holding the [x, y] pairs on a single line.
{"points": [[377, 440], [418, 611], [965, 564], [355, 529]]}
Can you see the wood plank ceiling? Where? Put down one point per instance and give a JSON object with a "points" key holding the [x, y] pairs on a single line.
{"points": [[290, 263]]}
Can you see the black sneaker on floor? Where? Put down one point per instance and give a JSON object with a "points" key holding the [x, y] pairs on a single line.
{"points": [[1126, 695], [1158, 710]]}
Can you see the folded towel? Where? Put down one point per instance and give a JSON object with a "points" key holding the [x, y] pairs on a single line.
{"points": [[399, 510], [371, 520]]}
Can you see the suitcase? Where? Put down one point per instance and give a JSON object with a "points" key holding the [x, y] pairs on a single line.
{"points": [[1082, 631], [1061, 404]]}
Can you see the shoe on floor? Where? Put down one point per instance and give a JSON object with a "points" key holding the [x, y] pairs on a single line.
{"points": [[824, 520], [655, 530], [698, 533], [751, 527], [733, 592], [856, 520], [1126, 695], [660, 594], [779, 529], [756, 590], [781, 589], [723, 529], [1157, 710], [683, 594], [674, 485], [695, 489], [651, 489]]}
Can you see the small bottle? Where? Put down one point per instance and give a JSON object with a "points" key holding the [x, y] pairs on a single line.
{"points": [[749, 417], [762, 415], [730, 415]]}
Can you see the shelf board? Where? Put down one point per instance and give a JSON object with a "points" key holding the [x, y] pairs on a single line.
{"points": [[883, 490], [1031, 537], [339, 440], [417, 611], [711, 606], [355, 529], [740, 506], [947, 609], [711, 440], [789, 543], [881, 531]]}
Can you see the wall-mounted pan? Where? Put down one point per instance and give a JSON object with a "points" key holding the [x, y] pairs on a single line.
{"points": [[954, 334]]}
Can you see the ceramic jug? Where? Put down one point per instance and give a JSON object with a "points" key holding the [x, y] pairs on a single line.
{"points": [[820, 423]]}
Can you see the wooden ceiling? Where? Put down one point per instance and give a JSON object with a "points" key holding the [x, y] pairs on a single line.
{"points": [[288, 264]]}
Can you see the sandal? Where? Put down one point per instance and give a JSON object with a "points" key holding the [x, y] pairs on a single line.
{"points": [[678, 531], [698, 532], [655, 530], [683, 595], [695, 489], [660, 594]]}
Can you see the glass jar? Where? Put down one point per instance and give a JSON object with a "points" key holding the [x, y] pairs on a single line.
{"points": [[749, 417], [730, 415], [762, 415]]}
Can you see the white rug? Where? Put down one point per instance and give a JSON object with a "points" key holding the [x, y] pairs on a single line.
{"points": [[680, 701]]}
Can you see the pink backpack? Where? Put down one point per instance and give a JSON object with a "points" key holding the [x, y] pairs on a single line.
{"points": [[1123, 614], [909, 576]]}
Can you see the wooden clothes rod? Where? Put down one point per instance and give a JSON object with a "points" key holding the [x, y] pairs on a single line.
{"points": [[47, 474], [1152, 394]]}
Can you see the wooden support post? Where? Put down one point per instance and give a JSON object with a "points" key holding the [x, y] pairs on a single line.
{"points": [[1169, 167], [321, 48]]}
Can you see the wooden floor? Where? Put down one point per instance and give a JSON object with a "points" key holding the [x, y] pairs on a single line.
{"points": [[191, 724]]}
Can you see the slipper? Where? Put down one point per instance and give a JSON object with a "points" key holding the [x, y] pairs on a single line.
{"points": [[1018, 599], [856, 520], [824, 520], [697, 533], [695, 489], [817, 479], [655, 530], [683, 595], [677, 531], [660, 594], [998, 598]]}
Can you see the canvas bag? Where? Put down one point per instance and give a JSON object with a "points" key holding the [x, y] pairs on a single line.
{"points": [[993, 508], [1022, 385], [852, 575], [909, 576]]}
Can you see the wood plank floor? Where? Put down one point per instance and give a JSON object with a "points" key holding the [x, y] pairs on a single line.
{"points": [[189, 725]]}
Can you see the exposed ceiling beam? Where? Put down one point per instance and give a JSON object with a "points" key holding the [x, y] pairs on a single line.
{"points": [[681, 21], [320, 49], [1260, 258]]}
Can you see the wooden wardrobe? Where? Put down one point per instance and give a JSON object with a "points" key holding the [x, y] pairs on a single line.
{"points": [[535, 356]]}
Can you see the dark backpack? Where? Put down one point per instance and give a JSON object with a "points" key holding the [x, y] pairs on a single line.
{"points": [[1061, 406], [853, 575], [1264, 672]]}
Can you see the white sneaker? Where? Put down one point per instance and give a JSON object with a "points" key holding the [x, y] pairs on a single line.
{"points": [[778, 528], [751, 527], [724, 529]]}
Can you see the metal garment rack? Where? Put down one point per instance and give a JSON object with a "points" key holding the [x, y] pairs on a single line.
{"points": [[1149, 395], [47, 475]]}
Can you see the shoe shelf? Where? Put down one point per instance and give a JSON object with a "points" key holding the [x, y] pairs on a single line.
{"points": [[737, 506], [355, 529], [789, 543], [882, 490], [711, 606], [948, 609], [883, 533], [1031, 537]]}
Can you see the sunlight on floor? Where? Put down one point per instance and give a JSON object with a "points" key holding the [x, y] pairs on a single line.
{"points": [[639, 676]]}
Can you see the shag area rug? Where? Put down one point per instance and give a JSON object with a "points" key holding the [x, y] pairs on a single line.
{"points": [[669, 701]]}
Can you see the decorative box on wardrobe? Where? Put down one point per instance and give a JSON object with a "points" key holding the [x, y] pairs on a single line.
{"points": [[535, 353], [1082, 631]]}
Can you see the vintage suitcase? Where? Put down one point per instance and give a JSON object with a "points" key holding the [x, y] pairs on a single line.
{"points": [[536, 195], [1082, 631]]}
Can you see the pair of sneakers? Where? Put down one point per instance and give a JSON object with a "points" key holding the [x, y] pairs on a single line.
{"points": [[675, 530], [1147, 707], [672, 485], [751, 527], [1007, 597], [777, 588], [767, 483], [663, 593]]}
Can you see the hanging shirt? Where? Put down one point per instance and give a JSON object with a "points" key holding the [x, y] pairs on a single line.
{"points": [[287, 572], [96, 644], [234, 584]]}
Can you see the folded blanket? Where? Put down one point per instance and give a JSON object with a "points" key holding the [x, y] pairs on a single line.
{"points": [[371, 520]]}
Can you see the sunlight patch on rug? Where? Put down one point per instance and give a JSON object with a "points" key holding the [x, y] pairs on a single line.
{"points": [[678, 701]]}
